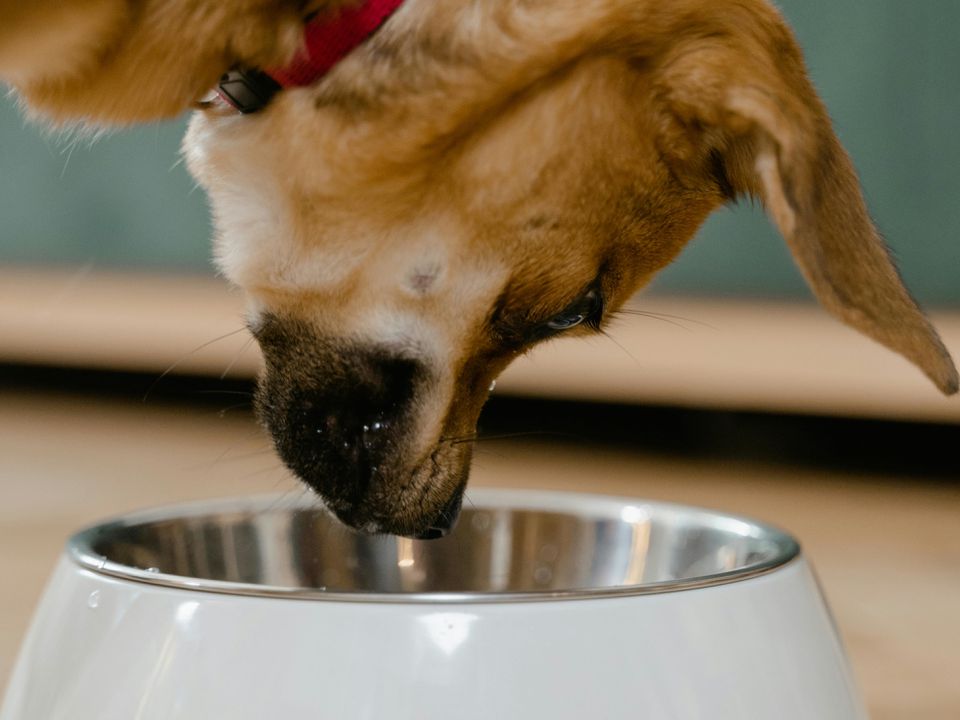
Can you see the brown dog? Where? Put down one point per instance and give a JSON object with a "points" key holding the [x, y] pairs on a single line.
{"points": [[473, 179]]}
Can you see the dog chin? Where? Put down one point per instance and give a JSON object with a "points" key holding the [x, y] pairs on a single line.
{"points": [[423, 504]]}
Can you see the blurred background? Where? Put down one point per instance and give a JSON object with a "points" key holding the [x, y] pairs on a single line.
{"points": [[125, 373]]}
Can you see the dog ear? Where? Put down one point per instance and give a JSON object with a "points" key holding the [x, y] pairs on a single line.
{"points": [[741, 109]]}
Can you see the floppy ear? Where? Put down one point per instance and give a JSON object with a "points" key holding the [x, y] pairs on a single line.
{"points": [[743, 107]]}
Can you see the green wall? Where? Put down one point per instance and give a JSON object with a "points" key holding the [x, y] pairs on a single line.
{"points": [[887, 69], [123, 200]]}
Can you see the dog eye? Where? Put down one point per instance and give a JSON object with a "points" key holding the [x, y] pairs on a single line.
{"points": [[587, 309], [565, 322]]}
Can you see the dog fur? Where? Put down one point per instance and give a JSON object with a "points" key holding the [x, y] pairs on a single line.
{"points": [[472, 179]]}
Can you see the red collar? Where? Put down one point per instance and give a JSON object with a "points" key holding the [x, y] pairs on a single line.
{"points": [[326, 42]]}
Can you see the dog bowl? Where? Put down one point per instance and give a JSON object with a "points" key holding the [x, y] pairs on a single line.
{"points": [[538, 605]]}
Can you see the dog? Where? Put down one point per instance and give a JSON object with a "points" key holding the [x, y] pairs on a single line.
{"points": [[472, 178]]}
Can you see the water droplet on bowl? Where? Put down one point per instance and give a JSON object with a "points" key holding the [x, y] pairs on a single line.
{"points": [[93, 599], [153, 570], [542, 575]]}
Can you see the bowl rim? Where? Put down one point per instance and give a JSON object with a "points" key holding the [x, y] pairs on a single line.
{"points": [[80, 548]]}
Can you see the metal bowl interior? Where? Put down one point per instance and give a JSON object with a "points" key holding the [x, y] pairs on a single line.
{"points": [[508, 546]]}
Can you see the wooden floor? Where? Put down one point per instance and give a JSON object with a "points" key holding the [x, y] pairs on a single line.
{"points": [[887, 548]]}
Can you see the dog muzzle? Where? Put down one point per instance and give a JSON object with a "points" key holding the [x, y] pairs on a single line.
{"points": [[327, 40]]}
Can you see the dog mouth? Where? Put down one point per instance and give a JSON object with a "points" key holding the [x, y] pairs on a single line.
{"points": [[423, 503], [445, 520]]}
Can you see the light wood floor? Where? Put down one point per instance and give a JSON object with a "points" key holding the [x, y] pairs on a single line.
{"points": [[887, 549]]}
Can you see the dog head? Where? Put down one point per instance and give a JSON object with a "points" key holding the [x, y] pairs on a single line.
{"points": [[481, 177]]}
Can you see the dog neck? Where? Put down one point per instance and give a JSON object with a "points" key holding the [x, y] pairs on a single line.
{"points": [[326, 42]]}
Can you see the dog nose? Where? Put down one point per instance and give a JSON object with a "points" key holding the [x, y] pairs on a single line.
{"points": [[350, 438], [347, 428], [346, 420]]}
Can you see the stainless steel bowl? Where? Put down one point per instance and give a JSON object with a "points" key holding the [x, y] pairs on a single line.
{"points": [[560, 547]]}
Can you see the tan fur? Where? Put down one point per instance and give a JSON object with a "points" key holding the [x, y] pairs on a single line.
{"points": [[474, 166], [121, 61]]}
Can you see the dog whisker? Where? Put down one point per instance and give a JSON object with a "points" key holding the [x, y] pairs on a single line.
{"points": [[178, 362], [260, 473], [620, 345], [224, 411], [664, 317], [257, 433], [245, 393], [237, 357], [247, 455], [456, 440], [72, 282], [71, 146], [222, 458], [293, 494], [66, 162], [506, 436]]}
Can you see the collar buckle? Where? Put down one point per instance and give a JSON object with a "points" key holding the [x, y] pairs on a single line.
{"points": [[247, 90]]}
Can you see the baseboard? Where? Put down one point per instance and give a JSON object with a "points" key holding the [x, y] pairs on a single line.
{"points": [[735, 354]]}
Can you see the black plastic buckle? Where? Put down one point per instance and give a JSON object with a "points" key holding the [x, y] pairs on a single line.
{"points": [[247, 90]]}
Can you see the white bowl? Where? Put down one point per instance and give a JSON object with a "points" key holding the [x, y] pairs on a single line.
{"points": [[539, 605]]}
